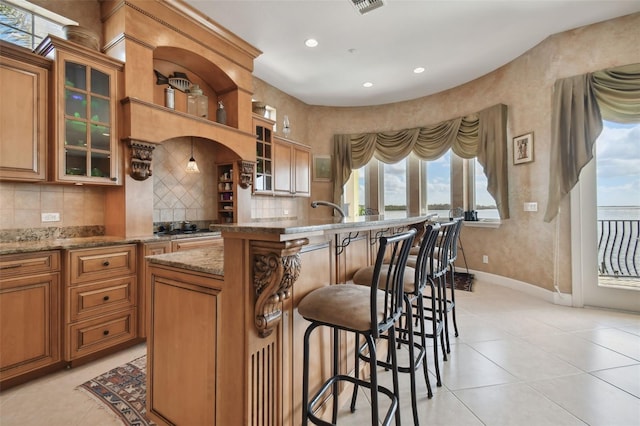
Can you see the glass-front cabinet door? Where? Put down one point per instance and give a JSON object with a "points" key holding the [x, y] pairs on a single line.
{"points": [[263, 182], [88, 123], [85, 117]]}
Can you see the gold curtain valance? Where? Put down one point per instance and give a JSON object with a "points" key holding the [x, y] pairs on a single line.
{"points": [[481, 135]]}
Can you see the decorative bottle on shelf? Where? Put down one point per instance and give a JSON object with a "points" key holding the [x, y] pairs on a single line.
{"points": [[169, 97], [197, 103], [221, 114]]}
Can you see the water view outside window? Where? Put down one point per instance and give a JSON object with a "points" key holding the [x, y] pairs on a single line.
{"points": [[618, 201], [439, 185], [395, 189], [485, 204]]}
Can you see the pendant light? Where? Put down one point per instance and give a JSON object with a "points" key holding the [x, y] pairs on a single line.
{"points": [[192, 166]]}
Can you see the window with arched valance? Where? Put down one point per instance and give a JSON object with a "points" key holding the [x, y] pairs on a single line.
{"points": [[482, 135]]}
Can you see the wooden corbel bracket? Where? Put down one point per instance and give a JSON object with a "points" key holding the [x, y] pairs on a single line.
{"points": [[276, 267]]}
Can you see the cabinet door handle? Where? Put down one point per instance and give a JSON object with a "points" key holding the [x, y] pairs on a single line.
{"points": [[105, 263], [106, 332], [106, 298]]}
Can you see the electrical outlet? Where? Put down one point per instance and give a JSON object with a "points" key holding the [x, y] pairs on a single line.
{"points": [[485, 258], [285, 212], [50, 217], [531, 207]]}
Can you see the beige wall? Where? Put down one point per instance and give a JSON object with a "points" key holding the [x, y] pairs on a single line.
{"points": [[523, 248]]}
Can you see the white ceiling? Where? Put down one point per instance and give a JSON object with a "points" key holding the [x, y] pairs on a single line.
{"points": [[455, 40]]}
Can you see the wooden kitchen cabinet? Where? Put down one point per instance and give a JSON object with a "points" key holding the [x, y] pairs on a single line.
{"points": [[263, 182], [292, 164], [85, 95], [24, 82], [29, 315], [100, 299]]}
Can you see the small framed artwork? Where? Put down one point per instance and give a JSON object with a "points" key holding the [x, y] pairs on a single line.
{"points": [[523, 149], [322, 168]]}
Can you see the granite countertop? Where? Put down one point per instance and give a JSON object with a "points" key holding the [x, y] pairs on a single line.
{"points": [[331, 225], [88, 242], [209, 260]]}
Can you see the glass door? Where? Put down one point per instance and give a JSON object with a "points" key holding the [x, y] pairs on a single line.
{"points": [[88, 121], [605, 209]]}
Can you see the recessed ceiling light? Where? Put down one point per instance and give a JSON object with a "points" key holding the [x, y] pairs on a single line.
{"points": [[367, 84], [418, 70], [311, 42]]}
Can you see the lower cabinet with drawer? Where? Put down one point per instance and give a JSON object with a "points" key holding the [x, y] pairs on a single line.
{"points": [[101, 297], [30, 343]]}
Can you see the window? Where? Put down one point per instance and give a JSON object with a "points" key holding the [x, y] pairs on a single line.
{"points": [[25, 24], [438, 187], [395, 189], [434, 186], [482, 201]]}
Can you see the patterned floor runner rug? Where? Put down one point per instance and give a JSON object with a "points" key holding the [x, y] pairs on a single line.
{"points": [[123, 390]]}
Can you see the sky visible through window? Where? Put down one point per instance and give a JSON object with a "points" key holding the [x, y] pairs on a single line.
{"points": [[618, 165]]}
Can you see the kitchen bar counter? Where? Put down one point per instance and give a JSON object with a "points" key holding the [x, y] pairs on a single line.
{"points": [[287, 230], [234, 337]]}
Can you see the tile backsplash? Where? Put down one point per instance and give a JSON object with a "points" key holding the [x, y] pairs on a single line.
{"points": [[22, 205], [178, 195]]}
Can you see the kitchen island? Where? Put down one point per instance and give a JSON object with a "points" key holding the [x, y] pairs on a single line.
{"points": [[225, 338]]}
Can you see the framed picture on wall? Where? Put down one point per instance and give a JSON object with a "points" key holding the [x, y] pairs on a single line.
{"points": [[523, 149], [322, 168]]}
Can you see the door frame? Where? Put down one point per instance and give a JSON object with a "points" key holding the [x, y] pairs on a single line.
{"points": [[584, 252]]}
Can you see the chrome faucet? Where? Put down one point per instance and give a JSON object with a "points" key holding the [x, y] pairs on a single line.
{"points": [[317, 203]]}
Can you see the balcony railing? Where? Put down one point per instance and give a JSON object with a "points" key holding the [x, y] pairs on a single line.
{"points": [[618, 248]]}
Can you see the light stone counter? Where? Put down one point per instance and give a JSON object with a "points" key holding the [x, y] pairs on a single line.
{"points": [[209, 260], [287, 230]]}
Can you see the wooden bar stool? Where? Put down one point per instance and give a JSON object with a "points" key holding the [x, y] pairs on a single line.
{"points": [[366, 311]]}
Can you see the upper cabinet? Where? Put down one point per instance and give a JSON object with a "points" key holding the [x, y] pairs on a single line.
{"points": [[84, 146], [291, 162], [263, 182], [23, 114], [282, 165]]}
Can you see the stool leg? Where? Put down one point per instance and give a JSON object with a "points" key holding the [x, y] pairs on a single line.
{"points": [[453, 300], [374, 378], [423, 342], [394, 372], [412, 362], [305, 376], [354, 395], [334, 387]]}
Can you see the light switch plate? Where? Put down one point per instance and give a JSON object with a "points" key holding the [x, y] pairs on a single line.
{"points": [[51, 217], [531, 207]]}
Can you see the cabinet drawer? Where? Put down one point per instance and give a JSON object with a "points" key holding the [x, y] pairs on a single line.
{"points": [[91, 336], [90, 300], [100, 263], [196, 243], [13, 265]]}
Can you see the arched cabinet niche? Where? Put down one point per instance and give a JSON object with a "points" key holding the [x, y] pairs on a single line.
{"points": [[214, 83]]}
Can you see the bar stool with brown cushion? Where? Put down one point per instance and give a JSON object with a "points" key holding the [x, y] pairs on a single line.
{"points": [[435, 307], [450, 304], [415, 280], [366, 311]]}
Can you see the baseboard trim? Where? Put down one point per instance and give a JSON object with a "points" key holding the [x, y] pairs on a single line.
{"points": [[554, 297]]}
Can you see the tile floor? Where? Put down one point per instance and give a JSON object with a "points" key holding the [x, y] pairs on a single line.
{"points": [[518, 361]]}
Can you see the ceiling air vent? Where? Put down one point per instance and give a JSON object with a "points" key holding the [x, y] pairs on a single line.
{"points": [[364, 6]]}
